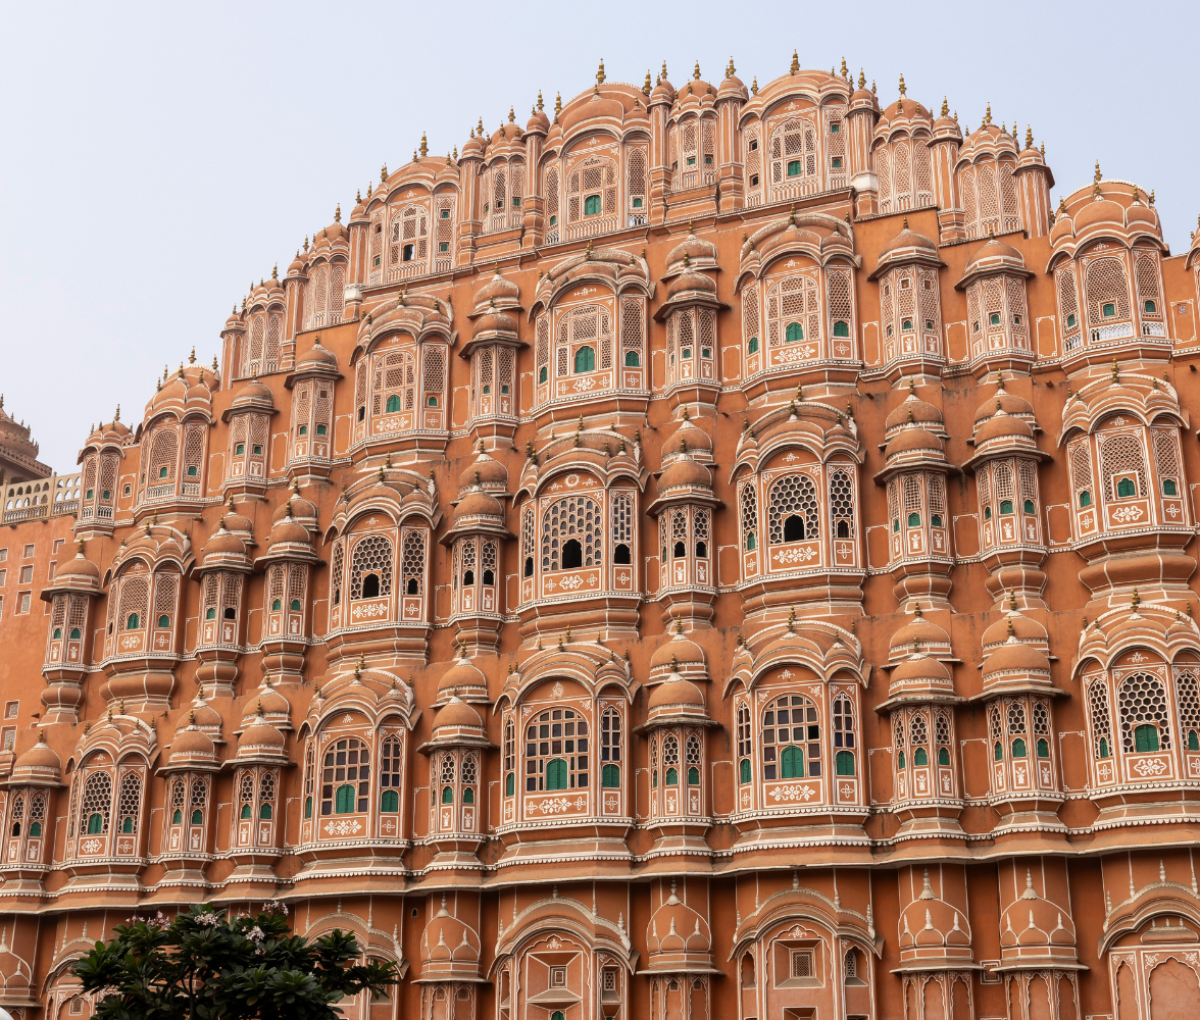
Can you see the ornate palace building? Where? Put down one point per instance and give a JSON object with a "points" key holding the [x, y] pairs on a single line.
{"points": [[714, 552]]}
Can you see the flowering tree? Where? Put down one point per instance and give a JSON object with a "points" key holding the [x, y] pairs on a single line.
{"points": [[206, 965]]}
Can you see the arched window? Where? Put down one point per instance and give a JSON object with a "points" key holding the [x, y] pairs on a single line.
{"points": [[246, 795], [574, 519], [610, 747], [129, 806], [556, 751], [792, 512], [793, 311], [345, 777], [1101, 719], [413, 565], [1107, 287], [843, 735], [585, 359], [791, 737], [693, 759], [744, 743], [446, 778], [1142, 708], [899, 742], [371, 568], [749, 517], [670, 760], [1187, 697], [510, 758], [390, 769]]}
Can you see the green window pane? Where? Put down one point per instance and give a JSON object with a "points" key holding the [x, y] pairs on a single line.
{"points": [[556, 774], [994, 319], [794, 332], [585, 359], [308, 807], [1028, 506], [1043, 748], [845, 763], [35, 829], [246, 811], [469, 795], [447, 794], [1085, 498], [841, 328], [57, 633], [321, 430], [295, 605], [998, 751], [127, 824], [303, 430], [591, 205], [1146, 738], [1006, 506], [943, 756], [751, 542], [914, 520], [210, 613], [1109, 309], [1071, 320], [793, 168], [1193, 741], [264, 812], [198, 816], [752, 346], [133, 622], [792, 763], [276, 605], [693, 776], [95, 823], [920, 756], [1018, 748], [344, 800], [1150, 307], [542, 374], [393, 404], [935, 520], [744, 770], [177, 817], [239, 449], [1125, 487], [510, 784], [1169, 487], [672, 777], [900, 762], [611, 776], [390, 801], [1103, 747], [631, 359]]}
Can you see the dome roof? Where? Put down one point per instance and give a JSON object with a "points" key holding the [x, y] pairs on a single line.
{"points": [[694, 249], [192, 746], [1002, 425], [920, 676], [912, 409], [688, 438], [498, 290], [224, 544], [288, 531], [296, 507], [919, 635], [477, 504], [910, 439], [39, 764], [995, 255], [908, 240], [317, 356], [463, 679], [486, 471], [79, 566], [679, 651], [260, 739], [1015, 657], [1009, 403], [457, 713], [691, 281], [1013, 624], [253, 393], [685, 473], [676, 691]]}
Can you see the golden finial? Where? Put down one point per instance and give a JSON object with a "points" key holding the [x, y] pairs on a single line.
{"points": [[1115, 375], [424, 150], [754, 86], [903, 87], [1029, 136], [383, 174], [588, 252], [1136, 600], [792, 215], [792, 620], [1137, 196], [845, 70], [987, 117], [874, 90], [795, 68], [600, 73], [1152, 196], [696, 71], [117, 414], [557, 105], [664, 71], [192, 357], [862, 79]]}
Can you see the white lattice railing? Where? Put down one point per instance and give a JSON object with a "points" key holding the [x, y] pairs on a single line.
{"points": [[406, 270], [592, 226], [443, 265], [1111, 331], [1073, 342], [637, 219], [160, 491], [694, 178], [190, 489], [1154, 329], [552, 235], [800, 189]]}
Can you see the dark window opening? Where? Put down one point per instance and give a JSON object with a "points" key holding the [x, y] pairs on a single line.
{"points": [[793, 529], [572, 555]]}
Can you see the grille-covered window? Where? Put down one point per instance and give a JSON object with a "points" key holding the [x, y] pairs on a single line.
{"points": [[345, 777], [790, 739], [556, 751], [571, 534], [792, 513]]}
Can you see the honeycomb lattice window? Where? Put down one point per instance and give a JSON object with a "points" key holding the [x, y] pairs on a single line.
{"points": [[1015, 713], [246, 792], [527, 546], [918, 730], [1120, 455], [135, 599], [793, 311], [632, 322], [488, 562], [468, 560], [372, 555], [988, 205], [165, 587], [335, 573], [1106, 284], [1080, 455], [97, 800], [635, 171], [1166, 457], [1149, 299], [793, 495], [1142, 700], [435, 371], [1097, 700], [193, 452], [970, 202], [841, 502], [922, 172], [700, 525], [751, 327], [543, 344], [178, 800], [1187, 694], [1068, 300], [941, 728], [838, 289], [130, 803], [883, 170], [37, 811], [678, 526], [470, 770], [898, 737], [414, 563], [1018, 320], [901, 175], [447, 769], [199, 794], [1041, 719], [163, 447], [574, 518], [692, 750], [266, 789]]}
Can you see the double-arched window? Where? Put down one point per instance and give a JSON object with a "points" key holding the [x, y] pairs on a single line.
{"points": [[571, 534], [792, 511]]}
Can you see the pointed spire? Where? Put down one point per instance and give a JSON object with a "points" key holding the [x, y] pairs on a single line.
{"points": [[903, 87], [696, 71], [1028, 136], [987, 117], [600, 76], [795, 68], [845, 70], [945, 107]]}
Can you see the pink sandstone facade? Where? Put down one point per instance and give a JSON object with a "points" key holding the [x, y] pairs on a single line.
{"points": [[718, 552]]}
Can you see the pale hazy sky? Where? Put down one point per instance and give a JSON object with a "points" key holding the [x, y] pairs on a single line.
{"points": [[156, 158]]}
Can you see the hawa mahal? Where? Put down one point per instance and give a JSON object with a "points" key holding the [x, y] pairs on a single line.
{"points": [[716, 552]]}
